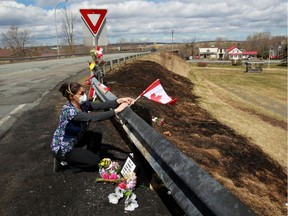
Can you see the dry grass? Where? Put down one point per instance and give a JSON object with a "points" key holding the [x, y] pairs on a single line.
{"points": [[254, 105], [172, 63]]}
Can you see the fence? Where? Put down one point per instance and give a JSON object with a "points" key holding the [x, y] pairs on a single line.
{"points": [[112, 63]]}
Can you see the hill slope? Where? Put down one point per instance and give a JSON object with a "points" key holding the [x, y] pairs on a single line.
{"points": [[233, 160]]}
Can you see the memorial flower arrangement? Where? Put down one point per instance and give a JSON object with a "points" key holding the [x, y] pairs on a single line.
{"points": [[96, 53], [110, 172], [97, 60]]}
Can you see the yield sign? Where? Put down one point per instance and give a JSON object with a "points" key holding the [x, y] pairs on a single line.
{"points": [[93, 18]]}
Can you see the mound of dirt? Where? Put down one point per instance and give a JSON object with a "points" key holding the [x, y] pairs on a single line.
{"points": [[170, 62], [233, 160]]}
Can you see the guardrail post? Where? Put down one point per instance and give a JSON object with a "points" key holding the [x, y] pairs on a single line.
{"points": [[111, 65]]}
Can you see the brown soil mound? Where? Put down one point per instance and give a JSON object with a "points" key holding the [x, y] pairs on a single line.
{"points": [[233, 160]]}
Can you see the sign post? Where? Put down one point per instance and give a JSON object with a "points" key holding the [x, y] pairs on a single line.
{"points": [[95, 22]]}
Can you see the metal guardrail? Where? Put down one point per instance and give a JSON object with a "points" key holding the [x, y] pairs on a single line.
{"points": [[112, 63], [195, 191], [108, 63]]}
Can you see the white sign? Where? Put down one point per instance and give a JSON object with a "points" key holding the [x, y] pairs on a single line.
{"points": [[93, 18], [128, 167], [89, 39], [94, 27]]}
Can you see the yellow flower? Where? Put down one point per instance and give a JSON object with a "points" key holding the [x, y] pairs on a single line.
{"points": [[105, 162]]}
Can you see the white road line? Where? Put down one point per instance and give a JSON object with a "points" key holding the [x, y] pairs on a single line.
{"points": [[4, 119], [18, 108]]}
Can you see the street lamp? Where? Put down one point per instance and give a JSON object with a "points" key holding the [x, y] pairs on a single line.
{"points": [[56, 25]]}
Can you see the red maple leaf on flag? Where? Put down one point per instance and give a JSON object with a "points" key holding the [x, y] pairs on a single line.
{"points": [[155, 97], [157, 93]]}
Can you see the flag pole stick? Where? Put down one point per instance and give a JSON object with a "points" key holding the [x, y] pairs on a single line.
{"points": [[136, 99]]}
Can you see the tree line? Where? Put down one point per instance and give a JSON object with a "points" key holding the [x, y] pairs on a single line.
{"points": [[17, 39], [261, 42]]}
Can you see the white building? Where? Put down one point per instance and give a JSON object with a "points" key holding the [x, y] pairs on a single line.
{"points": [[212, 53], [234, 53]]}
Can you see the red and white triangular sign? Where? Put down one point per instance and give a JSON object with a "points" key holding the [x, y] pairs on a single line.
{"points": [[93, 18]]}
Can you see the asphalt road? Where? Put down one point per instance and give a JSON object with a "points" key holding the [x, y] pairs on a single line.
{"points": [[23, 85]]}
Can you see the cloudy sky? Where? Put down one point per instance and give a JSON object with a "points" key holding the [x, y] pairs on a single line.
{"points": [[152, 20]]}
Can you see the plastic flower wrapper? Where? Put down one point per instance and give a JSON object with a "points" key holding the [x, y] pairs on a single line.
{"points": [[108, 171], [114, 166]]}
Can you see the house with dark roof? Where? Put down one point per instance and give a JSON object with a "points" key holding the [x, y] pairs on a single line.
{"points": [[234, 53]]}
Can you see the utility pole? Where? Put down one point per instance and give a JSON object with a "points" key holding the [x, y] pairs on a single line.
{"points": [[269, 58], [172, 39], [58, 51]]}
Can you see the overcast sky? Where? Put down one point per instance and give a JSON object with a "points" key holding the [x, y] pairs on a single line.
{"points": [[152, 20]]}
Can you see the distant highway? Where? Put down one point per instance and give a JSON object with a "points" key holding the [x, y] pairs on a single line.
{"points": [[22, 85]]}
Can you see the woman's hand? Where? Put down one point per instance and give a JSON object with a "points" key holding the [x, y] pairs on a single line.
{"points": [[121, 107], [128, 100]]}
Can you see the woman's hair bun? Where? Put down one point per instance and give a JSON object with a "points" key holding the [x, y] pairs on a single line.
{"points": [[63, 89]]}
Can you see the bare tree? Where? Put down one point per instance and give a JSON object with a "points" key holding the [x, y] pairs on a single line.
{"points": [[189, 49], [259, 42], [122, 40], [277, 43], [284, 54], [68, 22], [16, 39], [220, 42]]}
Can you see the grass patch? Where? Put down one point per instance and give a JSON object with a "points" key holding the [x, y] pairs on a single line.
{"points": [[254, 105]]}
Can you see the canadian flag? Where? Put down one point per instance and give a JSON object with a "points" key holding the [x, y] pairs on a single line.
{"points": [[156, 92]]}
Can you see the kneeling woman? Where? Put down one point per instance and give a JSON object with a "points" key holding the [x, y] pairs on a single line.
{"points": [[73, 123]]}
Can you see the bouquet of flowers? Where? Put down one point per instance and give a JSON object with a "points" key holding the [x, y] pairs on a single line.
{"points": [[110, 172], [96, 53]]}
